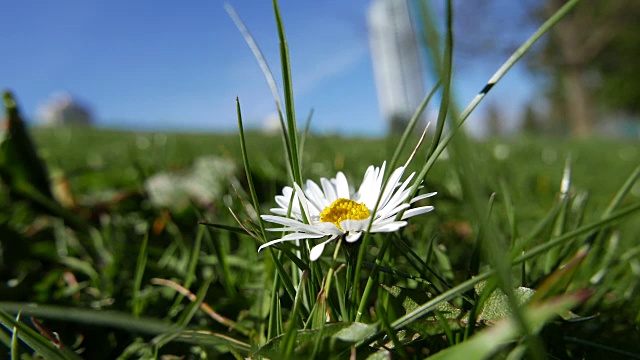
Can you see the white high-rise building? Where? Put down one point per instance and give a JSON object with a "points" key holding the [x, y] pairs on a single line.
{"points": [[396, 60]]}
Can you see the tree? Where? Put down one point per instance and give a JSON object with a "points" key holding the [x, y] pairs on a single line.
{"points": [[494, 120], [531, 122], [572, 51], [589, 59], [618, 66]]}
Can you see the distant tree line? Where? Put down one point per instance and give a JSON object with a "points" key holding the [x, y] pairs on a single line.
{"points": [[589, 60]]}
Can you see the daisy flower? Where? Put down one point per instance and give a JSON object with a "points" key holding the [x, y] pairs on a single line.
{"points": [[332, 210]]}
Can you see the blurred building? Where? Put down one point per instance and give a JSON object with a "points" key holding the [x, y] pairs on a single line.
{"points": [[396, 61], [63, 110], [271, 124]]}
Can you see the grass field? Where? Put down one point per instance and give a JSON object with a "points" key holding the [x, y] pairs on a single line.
{"points": [[81, 276], [532, 168]]}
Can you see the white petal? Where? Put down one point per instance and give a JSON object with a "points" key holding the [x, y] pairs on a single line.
{"points": [[390, 227], [329, 190], [342, 186], [320, 228], [372, 193], [317, 250], [291, 229], [392, 183], [367, 182], [283, 212], [399, 197], [294, 224], [380, 176], [282, 229], [279, 211], [401, 193], [390, 212], [355, 225], [328, 228], [382, 223], [300, 236], [287, 191], [352, 237], [424, 196], [416, 211], [283, 201], [281, 220], [288, 198], [381, 171], [303, 200], [406, 182], [315, 197], [289, 237]]}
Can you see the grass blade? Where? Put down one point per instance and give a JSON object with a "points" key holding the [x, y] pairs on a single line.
{"points": [[289, 341], [15, 352], [247, 170], [225, 269], [624, 190], [410, 127], [268, 75], [141, 264], [445, 73], [391, 333], [287, 83], [37, 342], [113, 319]]}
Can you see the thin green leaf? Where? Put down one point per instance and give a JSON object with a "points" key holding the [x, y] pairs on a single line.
{"points": [[486, 343], [112, 319], [274, 328], [37, 342], [266, 71], [233, 229], [193, 259], [334, 338], [223, 258], [15, 351], [193, 307], [247, 170], [287, 83], [20, 165], [622, 192], [290, 333], [409, 129], [445, 74], [384, 322], [141, 264], [542, 248]]}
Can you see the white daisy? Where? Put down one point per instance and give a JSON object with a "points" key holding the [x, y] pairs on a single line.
{"points": [[332, 210]]}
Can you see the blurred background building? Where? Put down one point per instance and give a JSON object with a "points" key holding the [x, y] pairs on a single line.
{"points": [[396, 61], [61, 109]]}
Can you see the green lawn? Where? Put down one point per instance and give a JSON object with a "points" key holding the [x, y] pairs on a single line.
{"points": [[532, 168], [100, 267]]}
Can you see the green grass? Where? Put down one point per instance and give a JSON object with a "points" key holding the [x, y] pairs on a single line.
{"points": [[528, 169], [531, 167]]}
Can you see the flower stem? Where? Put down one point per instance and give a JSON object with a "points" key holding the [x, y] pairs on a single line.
{"points": [[351, 251], [374, 271]]}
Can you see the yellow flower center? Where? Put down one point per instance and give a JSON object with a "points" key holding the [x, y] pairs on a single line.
{"points": [[344, 209]]}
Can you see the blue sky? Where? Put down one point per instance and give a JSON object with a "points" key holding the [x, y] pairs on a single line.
{"points": [[154, 65]]}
